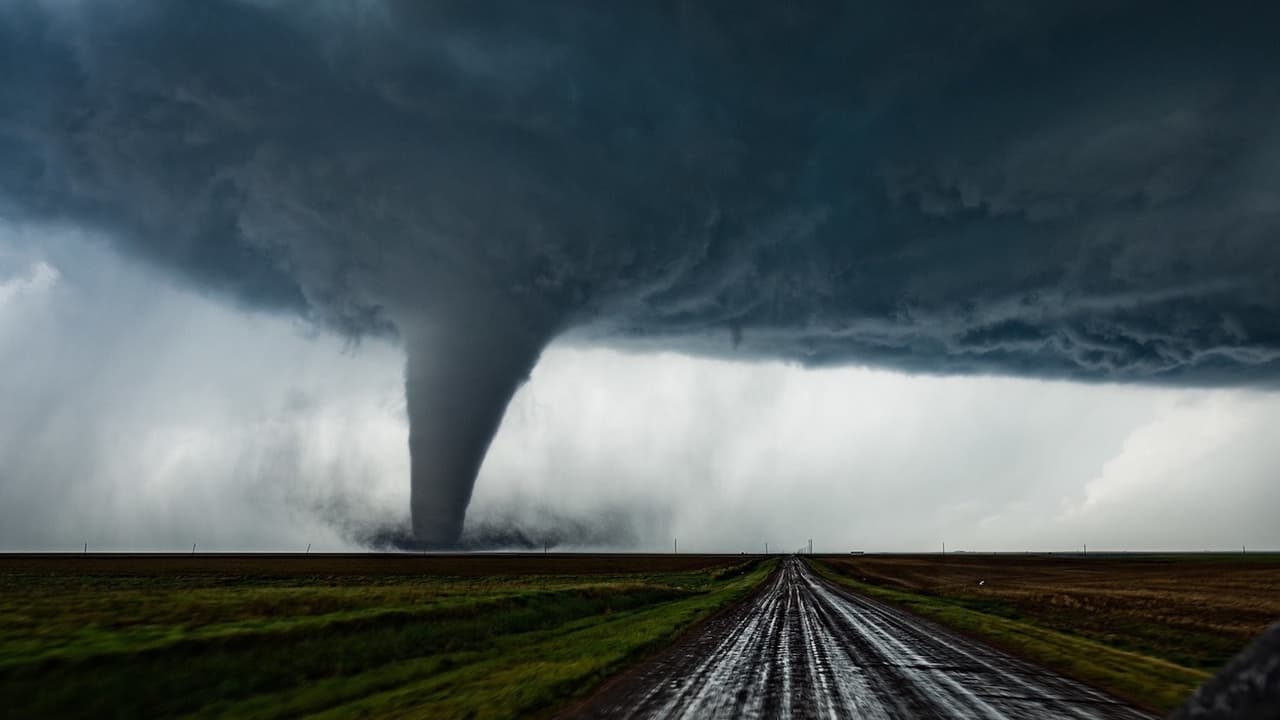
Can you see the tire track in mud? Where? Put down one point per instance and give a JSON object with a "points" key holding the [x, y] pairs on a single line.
{"points": [[805, 648]]}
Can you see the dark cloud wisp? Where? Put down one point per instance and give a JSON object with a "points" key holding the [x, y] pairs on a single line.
{"points": [[1082, 190]]}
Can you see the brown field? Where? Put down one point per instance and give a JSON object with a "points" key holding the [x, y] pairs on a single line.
{"points": [[266, 565], [1195, 610]]}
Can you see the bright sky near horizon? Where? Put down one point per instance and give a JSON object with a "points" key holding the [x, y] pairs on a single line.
{"points": [[143, 416]]}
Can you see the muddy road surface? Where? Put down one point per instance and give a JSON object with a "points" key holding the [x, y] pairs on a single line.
{"points": [[805, 648]]}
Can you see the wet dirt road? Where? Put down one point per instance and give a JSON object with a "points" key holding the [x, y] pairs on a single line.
{"points": [[804, 648]]}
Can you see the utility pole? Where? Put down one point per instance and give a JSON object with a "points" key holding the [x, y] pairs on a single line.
{"points": [[308, 549], [810, 546], [675, 545], [1086, 549], [193, 548], [766, 548], [86, 548], [944, 547]]}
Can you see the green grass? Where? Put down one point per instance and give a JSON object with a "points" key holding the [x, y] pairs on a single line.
{"points": [[1150, 682], [406, 647]]}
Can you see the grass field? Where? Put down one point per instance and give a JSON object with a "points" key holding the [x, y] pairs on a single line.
{"points": [[1146, 628], [396, 635]]}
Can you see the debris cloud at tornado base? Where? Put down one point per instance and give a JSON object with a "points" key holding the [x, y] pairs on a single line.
{"points": [[1085, 192]]}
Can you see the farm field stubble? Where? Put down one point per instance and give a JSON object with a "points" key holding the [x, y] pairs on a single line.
{"points": [[498, 635], [1148, 628]]}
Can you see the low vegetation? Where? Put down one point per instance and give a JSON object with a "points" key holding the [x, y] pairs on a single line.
{"points": [[1148, 629], [496, 636]]}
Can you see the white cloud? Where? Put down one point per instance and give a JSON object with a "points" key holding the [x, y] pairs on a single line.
{"points": [[38, 278], [1199, 474], [137, 415], [858, 458]]}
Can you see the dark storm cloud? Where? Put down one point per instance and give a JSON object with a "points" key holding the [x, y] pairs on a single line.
{"points": [[1082, 190]]}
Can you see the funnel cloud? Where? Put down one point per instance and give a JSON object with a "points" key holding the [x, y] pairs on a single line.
{"points": [[1087, 191], [459, 377]]}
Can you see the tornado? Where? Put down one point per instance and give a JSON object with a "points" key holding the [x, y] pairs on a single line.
{"points": [[475, 183], [459, 377]]}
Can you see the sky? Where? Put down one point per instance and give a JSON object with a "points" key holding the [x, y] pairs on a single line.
{"points": [[321, 255], [141, 415]]}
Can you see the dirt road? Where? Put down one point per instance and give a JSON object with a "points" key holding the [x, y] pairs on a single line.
{"points": [[804, 648]]}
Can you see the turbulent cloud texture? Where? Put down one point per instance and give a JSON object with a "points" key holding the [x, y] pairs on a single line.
{"points": [[1070, 190]]}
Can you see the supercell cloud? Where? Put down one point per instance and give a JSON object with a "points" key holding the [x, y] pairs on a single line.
{"points": [[1076, 190]]}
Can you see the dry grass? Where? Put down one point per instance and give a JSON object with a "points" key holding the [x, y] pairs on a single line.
{"points": [[1146, 628], [1192, 610]]}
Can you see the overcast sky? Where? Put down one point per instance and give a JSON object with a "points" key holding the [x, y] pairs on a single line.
{"points": [[139, 415], [278, 271]]}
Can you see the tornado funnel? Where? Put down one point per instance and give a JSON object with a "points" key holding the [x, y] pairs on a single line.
{"points": [[458, 380]]}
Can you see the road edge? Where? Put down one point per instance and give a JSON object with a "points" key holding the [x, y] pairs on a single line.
{"points": [[824, 574], [650, 658]]}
